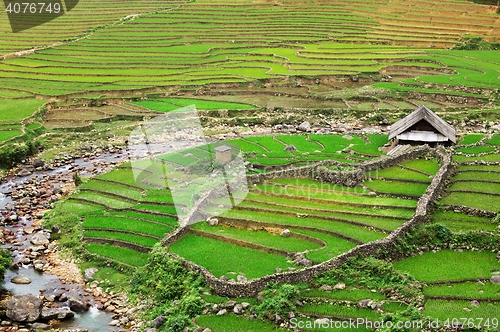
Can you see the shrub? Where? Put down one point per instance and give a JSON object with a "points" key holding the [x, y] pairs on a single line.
{"points": [[5, 261], [77, 179], [174, 290], [278, 299], [424, 235]]}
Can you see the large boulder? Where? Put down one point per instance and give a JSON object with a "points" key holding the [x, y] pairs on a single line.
{"points": [[56, 313], [20, 280], [39, 239], [495, 280], [24, 308], [89, 273], [38, 163], [24, 172], [76, 303], [304, 126]]}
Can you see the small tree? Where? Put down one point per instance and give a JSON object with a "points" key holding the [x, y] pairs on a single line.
{"points": [[77, 179]]}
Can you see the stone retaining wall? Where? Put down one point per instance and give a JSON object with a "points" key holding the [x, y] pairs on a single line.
{"points": [[320, 172], [251, 288]]}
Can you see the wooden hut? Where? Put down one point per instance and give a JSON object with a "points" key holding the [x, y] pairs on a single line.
{"points": [[423, 126], [223, 154]]}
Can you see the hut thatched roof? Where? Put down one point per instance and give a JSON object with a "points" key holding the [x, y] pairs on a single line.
{"points": [[423, 113]]}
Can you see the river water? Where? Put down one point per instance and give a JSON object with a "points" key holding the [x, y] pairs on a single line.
{"points": [[93, 320]]}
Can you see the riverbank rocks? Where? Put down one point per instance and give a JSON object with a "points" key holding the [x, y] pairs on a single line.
{"points": [[39, 239], [24, 308], [76, 303], [20, 280], [304, 126], [89, 273], [24, 172], [56, 313], [41, 326]]}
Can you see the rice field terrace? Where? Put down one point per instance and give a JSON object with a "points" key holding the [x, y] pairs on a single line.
{"points": [[186, 44], [476, 183], [131, 207], [303, 221], [122, 218], [268, 151], [457, 290], [254, 72]]}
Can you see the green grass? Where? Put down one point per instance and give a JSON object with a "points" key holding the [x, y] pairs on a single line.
{"points": [[360, 233], [171, 104], [373, 219], [71, 206], [118, 223], [334, 196], [170, 221], [399, 173], [114, 188], [13, 111], [477, 186], [335, 310], [156, 208], [230, 323], [447, 310], [476, 149], [140, 240], [428, 166], [376, 141], [123, 255], [335, 245], [471, 139], [477, 176], [296, 203], [8, 134], [442, 265], [490, 168], [227, 259], [107, 200], [471, 290], [495, 140], [458, 226], [397, 187], [494, 157], [125, 175], [258, 237], [477, 201]]}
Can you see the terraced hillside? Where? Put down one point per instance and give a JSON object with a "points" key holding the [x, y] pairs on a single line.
{"points": [[476, 183], [285, 150], [122, 218], [201, 42], [453, 291], [322, 220]]}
